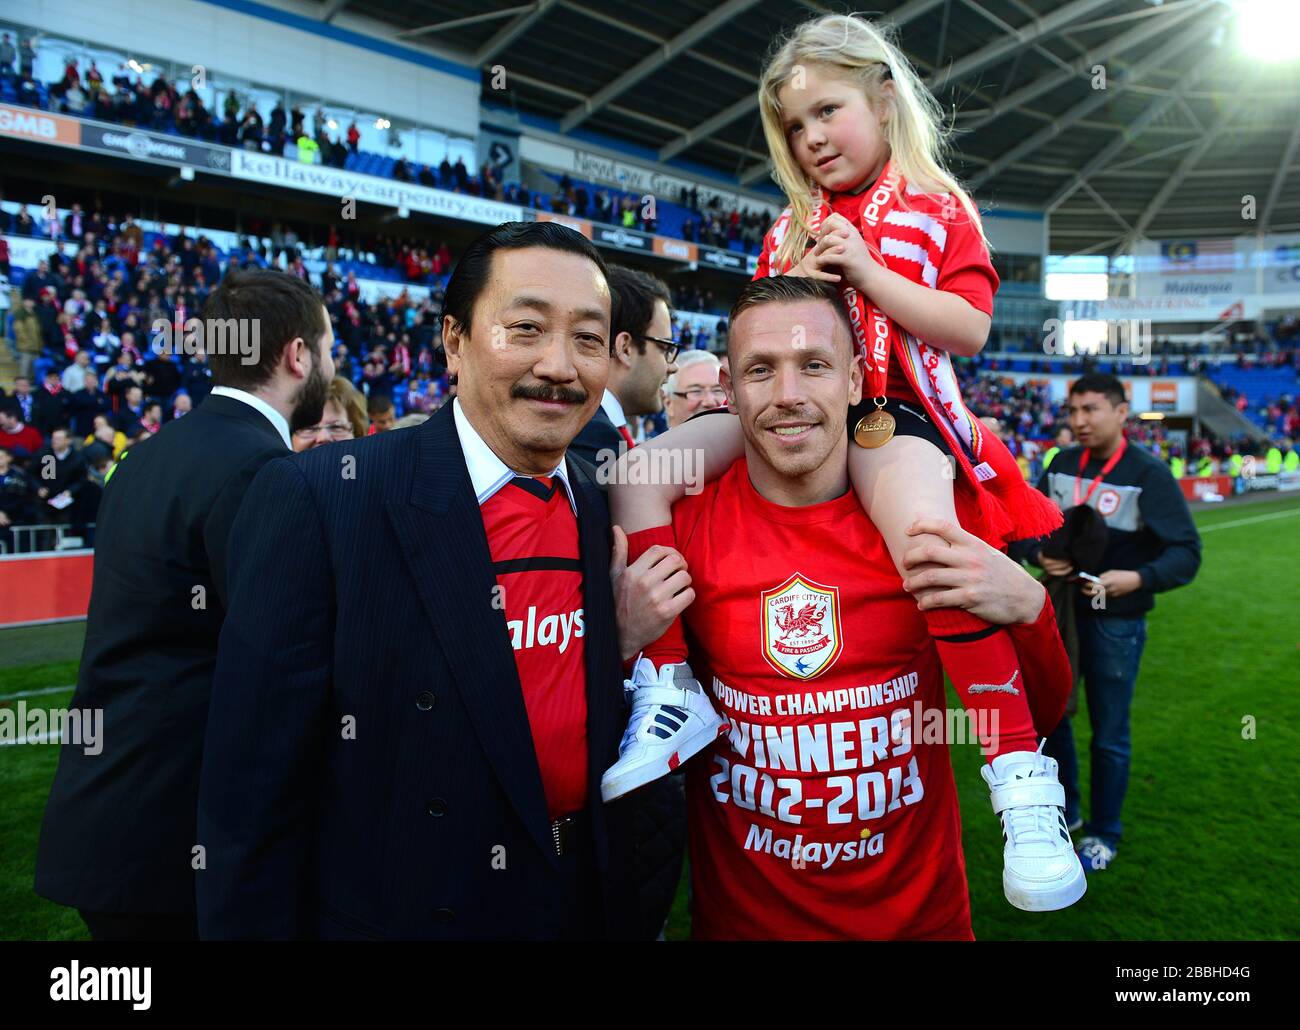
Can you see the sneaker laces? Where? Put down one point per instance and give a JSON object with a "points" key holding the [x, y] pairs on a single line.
{"points": [[1033, 824]]}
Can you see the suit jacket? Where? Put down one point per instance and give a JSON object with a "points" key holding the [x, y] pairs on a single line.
{"points": [[659, 808], [119, 828], [83, 406], [369, 768], [49, 410], [69, 473], [597, 435]]}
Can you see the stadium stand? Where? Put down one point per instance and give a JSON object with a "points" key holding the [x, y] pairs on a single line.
{"points": [[106, 278], [127, 98]]}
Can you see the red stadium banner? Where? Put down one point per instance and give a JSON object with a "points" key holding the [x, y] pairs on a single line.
{"points": [[1197, 488], [45, 587]]}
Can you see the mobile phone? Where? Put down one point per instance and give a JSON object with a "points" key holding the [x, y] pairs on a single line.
{"points": [[1089, 577]]}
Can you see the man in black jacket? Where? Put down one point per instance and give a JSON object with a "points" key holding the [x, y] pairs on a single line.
{"points": [[50, 405], [85, 404], [118, 841], [59, 473], [132, 411], [642, 357], [429, 766], [1152, 546]]}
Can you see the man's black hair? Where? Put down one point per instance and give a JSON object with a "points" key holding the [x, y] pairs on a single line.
{"points": [[632, 297], [470, 276], [1103, 383]]}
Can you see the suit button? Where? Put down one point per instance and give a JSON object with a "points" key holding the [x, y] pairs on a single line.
{"points": [[437, 808], [424, 700], [444, 915]]}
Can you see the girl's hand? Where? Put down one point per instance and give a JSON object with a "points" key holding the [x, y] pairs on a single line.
{"points": [[840, 246], [814, 266]]}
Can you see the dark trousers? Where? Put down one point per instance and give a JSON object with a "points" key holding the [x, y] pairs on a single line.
{"points": [[1110, 651], [130, 926]]}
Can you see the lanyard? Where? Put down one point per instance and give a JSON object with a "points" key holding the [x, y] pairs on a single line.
{"points": [[1111, 462]]}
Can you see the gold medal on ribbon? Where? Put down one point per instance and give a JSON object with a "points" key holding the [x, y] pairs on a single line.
{"points": [[874, 430]]}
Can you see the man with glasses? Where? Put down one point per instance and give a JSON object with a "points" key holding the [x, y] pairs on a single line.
{"points": [[642, 355], [694, 387]]}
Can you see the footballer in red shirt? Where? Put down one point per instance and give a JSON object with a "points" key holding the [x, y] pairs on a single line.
{"points": [[827, 808]]}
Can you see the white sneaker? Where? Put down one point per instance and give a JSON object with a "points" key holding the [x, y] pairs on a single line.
{"points": [[671, 721], [1041, 872]]}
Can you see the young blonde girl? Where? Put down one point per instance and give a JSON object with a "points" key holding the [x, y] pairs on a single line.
{"points": [[855, 140]]}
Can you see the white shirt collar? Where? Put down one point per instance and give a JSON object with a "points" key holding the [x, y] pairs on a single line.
{"points": [[487, 472], [253, 401], [613, 407]]}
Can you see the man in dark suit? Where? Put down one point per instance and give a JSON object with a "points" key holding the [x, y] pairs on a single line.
{"points": [[129, 418], [119, 841], [60, 477], [642, 356], [429, 767], [85, 404], [50, 405]]}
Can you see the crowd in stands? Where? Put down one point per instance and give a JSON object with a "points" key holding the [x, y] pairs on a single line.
{"points": [[689, 297], [719, 225], [414, 258], [1028, 422], [81, 324], [153, 102], [1280, 415], [82, 328]]}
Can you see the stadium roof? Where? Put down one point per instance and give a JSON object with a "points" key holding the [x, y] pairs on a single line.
{"points": [[1186, 127]]}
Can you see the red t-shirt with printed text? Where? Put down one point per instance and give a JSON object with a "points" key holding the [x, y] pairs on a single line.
{"points": [[821, 815], [533, 537]]}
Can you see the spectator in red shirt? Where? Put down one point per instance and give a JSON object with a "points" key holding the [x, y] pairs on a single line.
{"points": [[20, 439]]}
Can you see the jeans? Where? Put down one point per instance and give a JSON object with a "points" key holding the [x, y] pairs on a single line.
{"points": [[1110, 650]]}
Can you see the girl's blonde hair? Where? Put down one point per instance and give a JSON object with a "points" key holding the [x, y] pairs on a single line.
{"points": [[856, 50]]}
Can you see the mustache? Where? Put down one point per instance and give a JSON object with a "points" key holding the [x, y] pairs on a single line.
{"points": [[810, 415], [541, 392]]}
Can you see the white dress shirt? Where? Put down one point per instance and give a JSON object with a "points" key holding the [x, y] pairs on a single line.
{"points": [[253, 401], [487, 472], [613, 407]]}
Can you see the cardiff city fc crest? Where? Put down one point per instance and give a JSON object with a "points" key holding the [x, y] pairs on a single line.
{"points": [[1107, 503], [801, 627]]}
